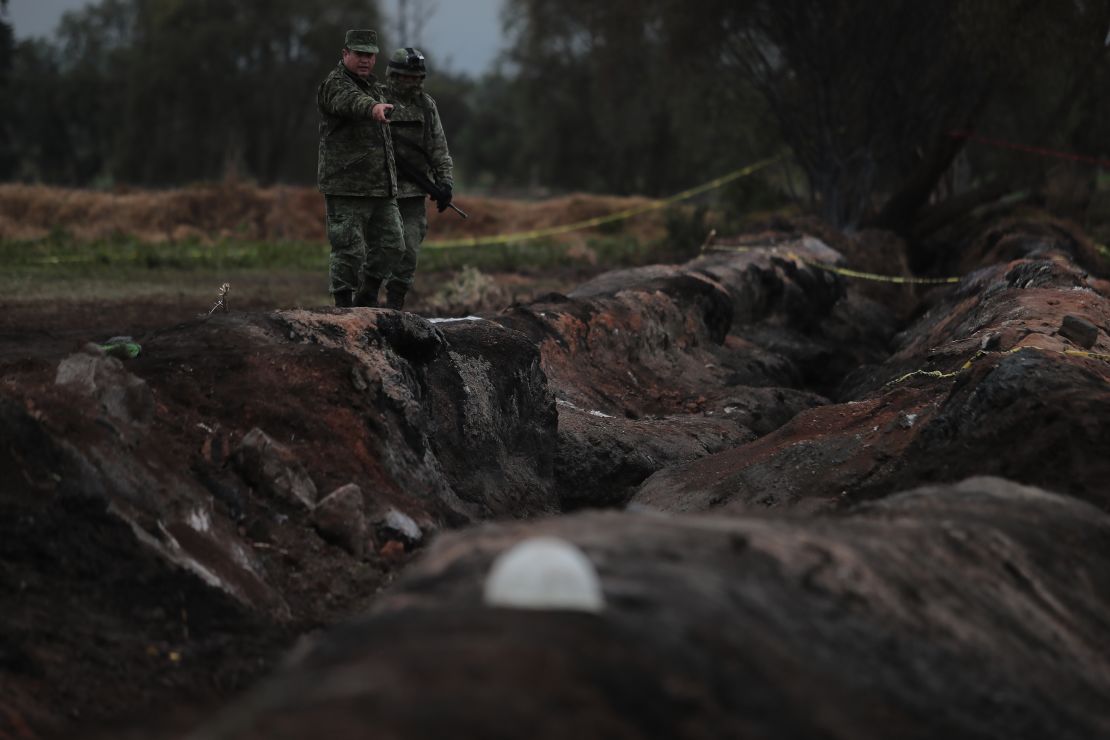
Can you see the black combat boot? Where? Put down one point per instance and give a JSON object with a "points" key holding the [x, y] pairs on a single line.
{"points": [[344, 298], [367, 295], [395, 295]]}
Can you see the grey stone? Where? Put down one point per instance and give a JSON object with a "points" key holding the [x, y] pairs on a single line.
{"points": [[398, 523], [358, 379], [1079, 330], [991, 342], [340, 519], [122, 396], [274, 469]]}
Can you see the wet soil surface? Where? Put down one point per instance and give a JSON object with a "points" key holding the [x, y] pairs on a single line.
{"points": [[114, 639], [176, 526]]}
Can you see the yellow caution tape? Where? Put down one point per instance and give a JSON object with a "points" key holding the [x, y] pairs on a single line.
{"points": [[845, 271], [925, 373], [729, 248], [983, 353], [475, 241], [1093, 355]]}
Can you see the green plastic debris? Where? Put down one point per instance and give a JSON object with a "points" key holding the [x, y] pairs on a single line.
{"points": [[122, 347]]}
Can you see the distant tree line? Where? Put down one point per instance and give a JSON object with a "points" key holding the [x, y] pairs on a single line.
{"points": [[7, 100], [625, 96], [162, 92], [652, 95]]}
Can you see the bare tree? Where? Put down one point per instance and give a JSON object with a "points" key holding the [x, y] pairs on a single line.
{"points": [[410, 20]]}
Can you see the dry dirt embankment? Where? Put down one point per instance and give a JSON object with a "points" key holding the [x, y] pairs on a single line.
{"points": [[284, 213], [173, 521]]}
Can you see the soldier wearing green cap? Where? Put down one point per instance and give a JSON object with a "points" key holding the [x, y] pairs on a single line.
{"points": [[357, 174], [418, 138]]}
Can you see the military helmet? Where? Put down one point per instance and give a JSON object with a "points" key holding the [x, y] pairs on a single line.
{"points": [[407, 61]]}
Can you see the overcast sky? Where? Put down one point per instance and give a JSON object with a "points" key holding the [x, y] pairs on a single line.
{"points": [[462, 35]]}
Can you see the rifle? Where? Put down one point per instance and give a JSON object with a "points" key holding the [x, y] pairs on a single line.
{"points": [[413, 173]]}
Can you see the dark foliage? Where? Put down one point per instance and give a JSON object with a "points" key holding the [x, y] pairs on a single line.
{"points": [[627, 96], [156, 92]]}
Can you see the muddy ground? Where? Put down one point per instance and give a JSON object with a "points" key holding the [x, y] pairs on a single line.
{"points": [[180, 525], [147, 685]]}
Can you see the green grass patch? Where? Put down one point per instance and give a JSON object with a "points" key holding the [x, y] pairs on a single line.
{"points": [[63, 256], [124, 269], [59, 267], [195, 285], [60, 252], [537, 254]]}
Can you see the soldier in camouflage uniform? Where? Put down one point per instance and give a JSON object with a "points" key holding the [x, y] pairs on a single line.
{"points": [[357, 175], [418, 138]]}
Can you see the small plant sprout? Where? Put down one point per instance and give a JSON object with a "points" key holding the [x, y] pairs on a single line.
{"points": [[221, 299]]}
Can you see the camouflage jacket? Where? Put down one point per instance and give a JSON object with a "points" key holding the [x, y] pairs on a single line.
{"points": [[419, 139], [356, 152]]}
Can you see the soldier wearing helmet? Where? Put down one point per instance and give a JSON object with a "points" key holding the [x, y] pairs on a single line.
{"points": [[418, 138]]}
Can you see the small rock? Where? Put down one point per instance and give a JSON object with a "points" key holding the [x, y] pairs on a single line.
{"points": [[339, 519], [78, 371], [93, 373], [215, 449], [398, 525], [1079, 330], [358, 380], [274, 468], [392, 550], [990, 342]]}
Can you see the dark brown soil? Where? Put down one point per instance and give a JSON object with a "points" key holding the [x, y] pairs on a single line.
{"points": [[755, 389], [172, 674]]}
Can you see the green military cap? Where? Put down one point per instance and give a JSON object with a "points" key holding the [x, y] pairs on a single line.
{"points": [[363, 40]]}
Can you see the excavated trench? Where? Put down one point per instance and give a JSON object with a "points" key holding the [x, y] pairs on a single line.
{"points": [[753, 425]]}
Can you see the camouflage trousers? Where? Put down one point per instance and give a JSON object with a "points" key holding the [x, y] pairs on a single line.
{"points": [[367, 239], [414, 216]]}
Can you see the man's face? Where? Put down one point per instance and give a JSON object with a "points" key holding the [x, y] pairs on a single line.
{"points": [[359, 62], [409, 82]]}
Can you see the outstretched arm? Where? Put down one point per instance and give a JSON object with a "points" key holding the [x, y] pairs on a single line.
{"points": [[344, 100]]}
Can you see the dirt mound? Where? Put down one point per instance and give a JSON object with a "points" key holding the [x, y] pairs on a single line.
{"points": [[239, 211], [989, 361], [253, 476], [921, 616]]}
